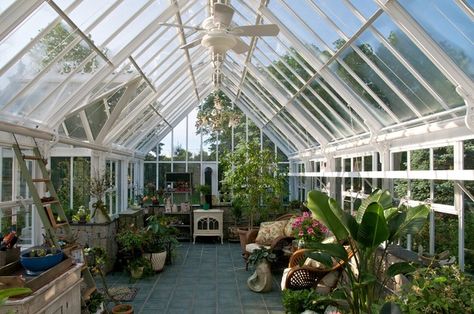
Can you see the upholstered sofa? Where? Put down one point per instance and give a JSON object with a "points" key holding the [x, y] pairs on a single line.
{"points": [[274, 235]]}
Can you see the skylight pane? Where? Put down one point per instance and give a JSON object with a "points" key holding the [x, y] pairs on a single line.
{"points": [[449, 26]]}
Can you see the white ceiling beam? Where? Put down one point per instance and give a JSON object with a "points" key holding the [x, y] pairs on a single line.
{"points": [[130, 90], [16, 14]]}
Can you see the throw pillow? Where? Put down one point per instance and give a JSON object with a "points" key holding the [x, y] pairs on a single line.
{"points": [[289, 227], [269, 231]]}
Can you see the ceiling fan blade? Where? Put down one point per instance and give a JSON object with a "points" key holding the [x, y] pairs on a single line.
{"points": [[196, 28], [192, 44], [256, 30], [222, 14], [240, 46]]}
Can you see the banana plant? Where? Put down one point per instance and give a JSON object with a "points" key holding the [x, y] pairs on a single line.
{"points": [[376, 222]]}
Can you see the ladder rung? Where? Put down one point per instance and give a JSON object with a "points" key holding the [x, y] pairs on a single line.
{"points": [[88, 292], [50, 202], [61, 224], [31, 157], [40, 180]]}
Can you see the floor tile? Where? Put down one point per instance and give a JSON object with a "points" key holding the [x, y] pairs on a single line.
{"points": [[204, 278]]}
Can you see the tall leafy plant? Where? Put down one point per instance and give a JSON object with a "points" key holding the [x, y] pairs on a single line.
{"points": [[252, 176], [375, 223]]}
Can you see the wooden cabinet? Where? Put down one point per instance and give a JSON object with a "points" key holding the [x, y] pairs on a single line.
{"points": [[62, 295], [208, 223]]}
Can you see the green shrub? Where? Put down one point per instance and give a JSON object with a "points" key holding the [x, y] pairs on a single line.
{"points": [[437, 290], [297, 301]]}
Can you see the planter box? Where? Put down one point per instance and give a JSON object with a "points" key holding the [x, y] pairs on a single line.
{"points": [[9, 256], [99, 235]]}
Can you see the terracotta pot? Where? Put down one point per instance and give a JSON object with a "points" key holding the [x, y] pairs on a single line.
{"points": [[261, 279], [123, 309]]}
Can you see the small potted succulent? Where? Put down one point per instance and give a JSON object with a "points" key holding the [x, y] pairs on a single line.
{"points": [[82, 216]]}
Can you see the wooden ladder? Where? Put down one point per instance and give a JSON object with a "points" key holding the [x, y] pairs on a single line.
{"points": [[49, 209]]}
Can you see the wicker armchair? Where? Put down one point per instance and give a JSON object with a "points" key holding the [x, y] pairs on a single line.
{"points": [[299, 276], [277, 245]]}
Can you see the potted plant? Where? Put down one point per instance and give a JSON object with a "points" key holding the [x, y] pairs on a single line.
{"points": [[98, 186], [376, 222], [96, 260], [82, 215], [252, 176], [162, 241], [95, 304], [261, 279], [206, 195], [39, 258], [138, 267], [132, 241]]}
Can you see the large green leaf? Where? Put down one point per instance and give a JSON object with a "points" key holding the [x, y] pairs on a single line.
{"points": [[335, 250], [382, 197], [373, 228], [11, 292], [318, 203], [400, 268], [395, 221], [415, 219]]}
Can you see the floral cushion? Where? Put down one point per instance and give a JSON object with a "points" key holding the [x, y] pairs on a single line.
{"points": [[269, 231], [289, 227]]}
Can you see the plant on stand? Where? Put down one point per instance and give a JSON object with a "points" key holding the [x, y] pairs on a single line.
{"points": [[206, 195], [98, 187], [82, 215], [261, 279]]}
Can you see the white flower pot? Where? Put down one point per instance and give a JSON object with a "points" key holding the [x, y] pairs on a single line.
{"points": [[157, 260]]}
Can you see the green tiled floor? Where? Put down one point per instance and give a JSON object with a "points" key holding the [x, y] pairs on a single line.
{"points": [[204, 278]]}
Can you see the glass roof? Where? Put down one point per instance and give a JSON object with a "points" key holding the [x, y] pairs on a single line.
{"points": [[115, 72]]}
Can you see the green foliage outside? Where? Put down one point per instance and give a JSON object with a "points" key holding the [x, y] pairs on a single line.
{"points": [[60, 37], [61, 179]]}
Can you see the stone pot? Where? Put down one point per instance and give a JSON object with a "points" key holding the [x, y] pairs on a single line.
{"points": [[136, 273], [261, 279], [157, 260]]}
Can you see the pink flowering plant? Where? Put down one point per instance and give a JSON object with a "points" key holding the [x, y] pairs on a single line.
{"points": [[308, 229]]}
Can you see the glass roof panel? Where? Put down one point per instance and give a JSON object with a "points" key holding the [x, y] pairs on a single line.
{"points": [[285, 117], [339, 14], [75, 128], [307, 11], [366, 7], [449, 26], [301, 31], [435, 80], [270, 127], [27, 31]]}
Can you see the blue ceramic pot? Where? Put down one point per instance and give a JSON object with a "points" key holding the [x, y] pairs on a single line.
{"points": [[42, 263]]}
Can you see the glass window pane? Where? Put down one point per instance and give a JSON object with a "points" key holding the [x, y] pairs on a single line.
{"points": [[420, 159], [443, 158]]}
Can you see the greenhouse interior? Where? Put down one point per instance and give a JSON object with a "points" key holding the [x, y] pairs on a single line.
{"points": [[237, 156]]}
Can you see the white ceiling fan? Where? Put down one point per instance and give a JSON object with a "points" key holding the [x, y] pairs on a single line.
{"points": [[219, 34]]}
